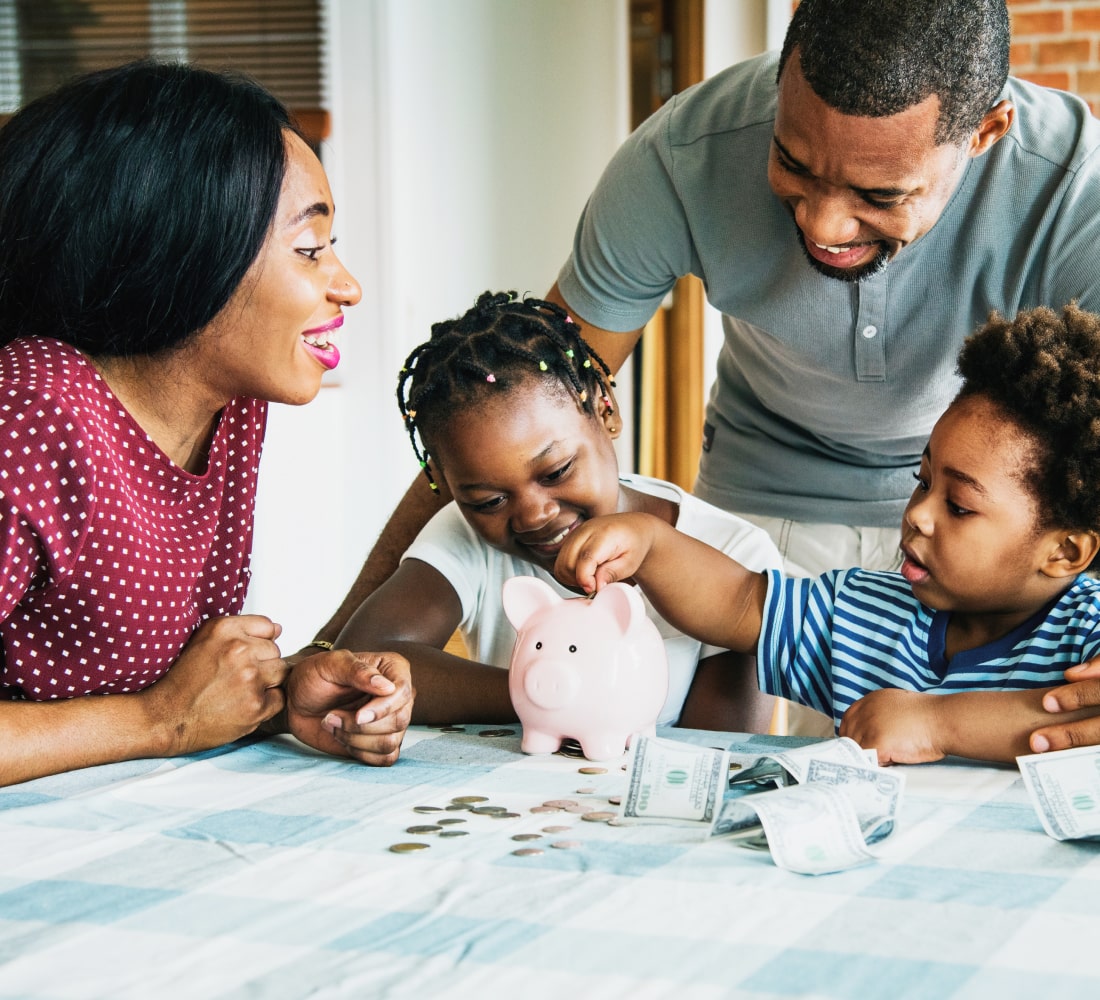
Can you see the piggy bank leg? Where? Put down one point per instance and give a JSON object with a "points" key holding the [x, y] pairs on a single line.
{"points": [[650, 731], [538, 742], [603, 748]]}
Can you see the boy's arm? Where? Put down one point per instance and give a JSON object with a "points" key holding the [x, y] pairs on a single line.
{"points": [[696, 588], [910, 727]]}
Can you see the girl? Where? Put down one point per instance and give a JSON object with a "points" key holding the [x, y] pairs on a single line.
{"points": [[166, 268], [509, 406], [993, 599]]}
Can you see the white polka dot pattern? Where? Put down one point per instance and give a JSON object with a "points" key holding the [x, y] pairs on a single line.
{"points": [[112, 554]]}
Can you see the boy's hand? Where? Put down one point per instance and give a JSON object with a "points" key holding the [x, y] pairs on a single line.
{"points": [[900, 725], [1082, 691], [604, 550]]}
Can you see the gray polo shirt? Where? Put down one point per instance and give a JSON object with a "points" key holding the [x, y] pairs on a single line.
{"points": [[826, 391]]}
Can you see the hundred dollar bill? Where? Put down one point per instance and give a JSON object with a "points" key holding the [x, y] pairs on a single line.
{"points": [[1064, 786], [790, 764], [671, 782]]}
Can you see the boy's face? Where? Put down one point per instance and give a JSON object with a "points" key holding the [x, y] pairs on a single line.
{"points": [[528, 467], [969, 535]]}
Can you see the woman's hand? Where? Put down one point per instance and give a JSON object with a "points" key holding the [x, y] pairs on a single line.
{"points": [[225, 683], [351, 704], [900, 725], [1081, 692]]}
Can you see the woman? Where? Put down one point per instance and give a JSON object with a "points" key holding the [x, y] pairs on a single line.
{"points": [[166, 268]]}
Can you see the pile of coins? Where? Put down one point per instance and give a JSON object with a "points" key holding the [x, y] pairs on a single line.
{"points": [[446, 826]]}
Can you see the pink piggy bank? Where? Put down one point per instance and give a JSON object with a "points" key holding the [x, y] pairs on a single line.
{"points": [[593, 669]]}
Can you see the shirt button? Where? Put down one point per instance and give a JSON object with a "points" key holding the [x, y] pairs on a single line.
{"points": [[869, 332]]}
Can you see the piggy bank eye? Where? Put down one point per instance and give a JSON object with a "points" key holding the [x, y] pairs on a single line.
{"points": [[572, 649], [538, 645]]}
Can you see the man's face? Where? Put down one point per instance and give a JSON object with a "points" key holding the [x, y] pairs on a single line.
{"points": [[859, 189]]}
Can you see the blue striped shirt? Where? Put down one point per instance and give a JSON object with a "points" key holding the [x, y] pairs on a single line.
{"points": [[828, 641]]}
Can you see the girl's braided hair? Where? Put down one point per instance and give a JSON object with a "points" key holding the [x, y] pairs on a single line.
{"points": [[1042, 370], [494, 347]]}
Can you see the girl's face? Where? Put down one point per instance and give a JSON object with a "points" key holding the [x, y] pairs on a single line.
{"points": [[969, 535], [528, 467], [274, 338]]}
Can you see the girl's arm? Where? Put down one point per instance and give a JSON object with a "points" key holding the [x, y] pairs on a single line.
{"points": [[909, 727], [415, 613], [696, 588], [224, 684]]}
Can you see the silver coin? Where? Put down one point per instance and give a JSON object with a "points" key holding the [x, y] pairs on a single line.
{"points": [[528, 852], [566, 845], [424, 828], [450, 820], [468, 799], [527, 836], [454, 833], [427, 809]]}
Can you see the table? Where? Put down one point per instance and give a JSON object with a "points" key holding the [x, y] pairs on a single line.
{"points": [[263, 870]]}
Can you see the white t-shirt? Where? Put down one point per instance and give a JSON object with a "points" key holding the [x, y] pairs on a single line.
{"points": [[477, 572]]}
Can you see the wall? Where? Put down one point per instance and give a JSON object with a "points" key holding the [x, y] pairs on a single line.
{"points": [[1057, 44]]}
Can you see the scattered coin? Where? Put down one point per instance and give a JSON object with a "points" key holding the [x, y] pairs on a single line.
{"points": [[556, 829], [592, 770], [505, 815], [458, 807], [527, 852], [615, 800], [450, 820], [560, 803], [527, 836], [576, 807], [452, 729], [565, 845], [408, 848], [599, 816], [487, 810], [497, 732], [453, 833], [585, 791], [545, 809], [424, 828], [468, 799], [427, 809]]}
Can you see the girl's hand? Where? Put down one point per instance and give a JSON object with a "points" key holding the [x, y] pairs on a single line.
{"points": [[900, 725], [225, 683], [604, 550], [1081, 692], [351, 704]]}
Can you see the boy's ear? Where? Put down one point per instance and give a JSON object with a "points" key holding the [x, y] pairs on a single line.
{"points": [[1072, 554]]}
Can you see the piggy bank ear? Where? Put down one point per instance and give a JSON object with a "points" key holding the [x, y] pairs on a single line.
{"points": [[525, 595], [623, 603]]}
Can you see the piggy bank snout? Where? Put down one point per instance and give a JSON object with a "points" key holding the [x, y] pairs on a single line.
{"points": [[552, 685]]}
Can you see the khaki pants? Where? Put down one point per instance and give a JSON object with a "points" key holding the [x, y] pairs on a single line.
{"points": [[809, 549]]}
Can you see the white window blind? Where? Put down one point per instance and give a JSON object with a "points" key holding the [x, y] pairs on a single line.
{"points": [[44, 43]]}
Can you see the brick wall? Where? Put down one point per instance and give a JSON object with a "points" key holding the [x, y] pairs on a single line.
{"points": [[1057, 43]]}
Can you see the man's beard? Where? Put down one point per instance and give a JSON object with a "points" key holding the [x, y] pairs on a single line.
{"points": [[876, 265]]}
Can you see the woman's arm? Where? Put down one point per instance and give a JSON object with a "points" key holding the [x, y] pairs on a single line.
{"points": [[224, 684], [415, 613]]}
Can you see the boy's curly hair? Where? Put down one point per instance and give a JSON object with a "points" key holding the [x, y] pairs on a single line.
{"points": [[499, 344], [1043, 370]]}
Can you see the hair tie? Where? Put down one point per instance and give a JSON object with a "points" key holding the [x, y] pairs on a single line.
{"points": [[490, 377]]}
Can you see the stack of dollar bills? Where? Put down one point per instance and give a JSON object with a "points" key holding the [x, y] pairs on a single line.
{"points": [[817, 808]]}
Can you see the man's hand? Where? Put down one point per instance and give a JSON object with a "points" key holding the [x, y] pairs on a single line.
{"points": [[351, 704], [900, 725], [1082, 692]]}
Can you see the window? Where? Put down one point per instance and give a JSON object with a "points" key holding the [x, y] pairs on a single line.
{"points": [[43, 43]]}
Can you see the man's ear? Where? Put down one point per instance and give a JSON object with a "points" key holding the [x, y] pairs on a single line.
{"points": [[992, 128], [1072, 554]]}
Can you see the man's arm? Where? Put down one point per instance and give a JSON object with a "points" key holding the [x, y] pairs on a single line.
{"points": [[419, 504], [612, 347]]}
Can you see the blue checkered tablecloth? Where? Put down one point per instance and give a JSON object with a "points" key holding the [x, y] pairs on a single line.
{"points": [[263, 870]]}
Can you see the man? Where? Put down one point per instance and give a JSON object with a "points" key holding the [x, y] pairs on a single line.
{"points": [[855, 207]]}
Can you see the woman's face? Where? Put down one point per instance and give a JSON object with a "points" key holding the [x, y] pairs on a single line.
{"points": [[528, 467], [275, 337]]}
